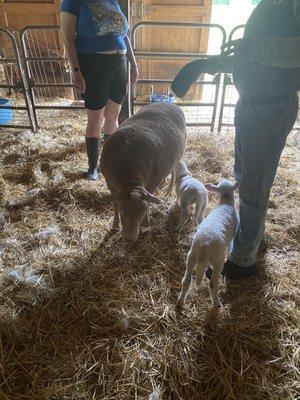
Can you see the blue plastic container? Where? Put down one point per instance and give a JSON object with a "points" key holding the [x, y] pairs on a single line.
{"points": [[162, 98], [6, 114]]}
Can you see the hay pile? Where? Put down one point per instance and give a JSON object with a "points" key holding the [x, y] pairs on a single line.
{"points": [[84, 316]]}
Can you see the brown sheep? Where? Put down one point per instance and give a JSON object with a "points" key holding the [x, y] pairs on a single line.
{"points": [[142, 152]]}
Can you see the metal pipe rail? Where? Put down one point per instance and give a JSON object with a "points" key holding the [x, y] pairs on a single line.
{"points": [[176, 55], [227, 81], [32, 84], [21, 85]]}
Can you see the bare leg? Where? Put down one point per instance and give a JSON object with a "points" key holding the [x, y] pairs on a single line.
{"points": [[112, 111]]}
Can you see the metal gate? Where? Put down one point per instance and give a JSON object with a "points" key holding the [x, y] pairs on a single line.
{"points": [[50, 81], [229, 94], [15, 104], [209, 106], [37, 80]]}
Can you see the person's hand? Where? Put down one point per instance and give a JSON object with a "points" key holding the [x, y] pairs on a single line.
{"points": [[79, 81], [134, 74], [242, 49]]}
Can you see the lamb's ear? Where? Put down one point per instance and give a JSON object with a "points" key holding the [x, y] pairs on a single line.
{"points": [[152, 199], [236, 185], [212, 188]]}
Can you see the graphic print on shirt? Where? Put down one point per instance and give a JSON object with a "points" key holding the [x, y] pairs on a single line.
{"points": [[107, 18]]}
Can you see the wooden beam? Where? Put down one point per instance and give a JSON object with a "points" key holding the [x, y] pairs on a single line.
{"points": [[22, 8]]}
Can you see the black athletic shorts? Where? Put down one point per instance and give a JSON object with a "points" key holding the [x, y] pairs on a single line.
{"points": [[105, 77]]}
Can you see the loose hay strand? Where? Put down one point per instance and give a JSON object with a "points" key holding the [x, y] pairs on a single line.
{"points": [[85, 316]]}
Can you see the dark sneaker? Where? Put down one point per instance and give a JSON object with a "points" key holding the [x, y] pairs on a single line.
{"points": [[93, 174], [233, 271]]}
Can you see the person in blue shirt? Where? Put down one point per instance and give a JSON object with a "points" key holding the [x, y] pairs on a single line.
{"points": [[95, 36]]}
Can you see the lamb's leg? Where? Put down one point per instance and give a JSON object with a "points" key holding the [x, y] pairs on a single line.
{"points": [[198, 215], [184, 216], [171, 185], [200, 269], [116, 223], [186, 281], [214, 284]]}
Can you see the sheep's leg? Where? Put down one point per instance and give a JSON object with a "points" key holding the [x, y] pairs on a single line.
{"points": [[200, 272], [171, 185], [184, 216], [177, 203], [214, 284], [186, 281], [145, 221], [229, 248], [198, 215], [116, 222]]}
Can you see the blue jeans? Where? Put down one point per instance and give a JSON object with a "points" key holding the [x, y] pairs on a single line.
{"points": [[261, 132]]}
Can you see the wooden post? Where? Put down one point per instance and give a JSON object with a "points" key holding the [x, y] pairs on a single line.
{"points": [[125, 110]]}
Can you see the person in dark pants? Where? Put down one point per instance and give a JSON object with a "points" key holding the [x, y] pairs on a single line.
{"points": [[97, 46], [266, 74]]}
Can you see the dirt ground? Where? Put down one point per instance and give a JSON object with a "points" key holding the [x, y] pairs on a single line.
{"points": [[84, 316]]}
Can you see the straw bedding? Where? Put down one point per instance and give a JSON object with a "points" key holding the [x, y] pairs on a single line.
{"points": [[84, 316]]}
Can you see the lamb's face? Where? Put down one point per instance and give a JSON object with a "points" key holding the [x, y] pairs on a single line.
{"points": [[181, 169], [225, 187]]}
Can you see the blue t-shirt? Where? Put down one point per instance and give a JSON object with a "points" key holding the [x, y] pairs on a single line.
{"points": [[101, 25]]}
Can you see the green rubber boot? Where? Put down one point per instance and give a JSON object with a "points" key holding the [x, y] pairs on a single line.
{"points": [[92, 150]]}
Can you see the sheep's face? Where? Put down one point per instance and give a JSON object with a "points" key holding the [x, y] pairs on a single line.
{"points": [[133, 205], [131, 214]]}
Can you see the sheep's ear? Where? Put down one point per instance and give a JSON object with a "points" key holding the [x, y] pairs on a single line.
{"points": [[236, 185], [108, 199], [152, 199], [212, 188], [112, 197]]}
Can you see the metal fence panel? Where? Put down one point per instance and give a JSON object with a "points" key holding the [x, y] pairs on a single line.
{"points": [[43, 87], [15, 104], [229, 95], [200, 112], [50, 81]]}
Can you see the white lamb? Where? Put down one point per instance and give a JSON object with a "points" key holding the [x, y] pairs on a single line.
{"points": [[189, 191], [213, 236]]}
